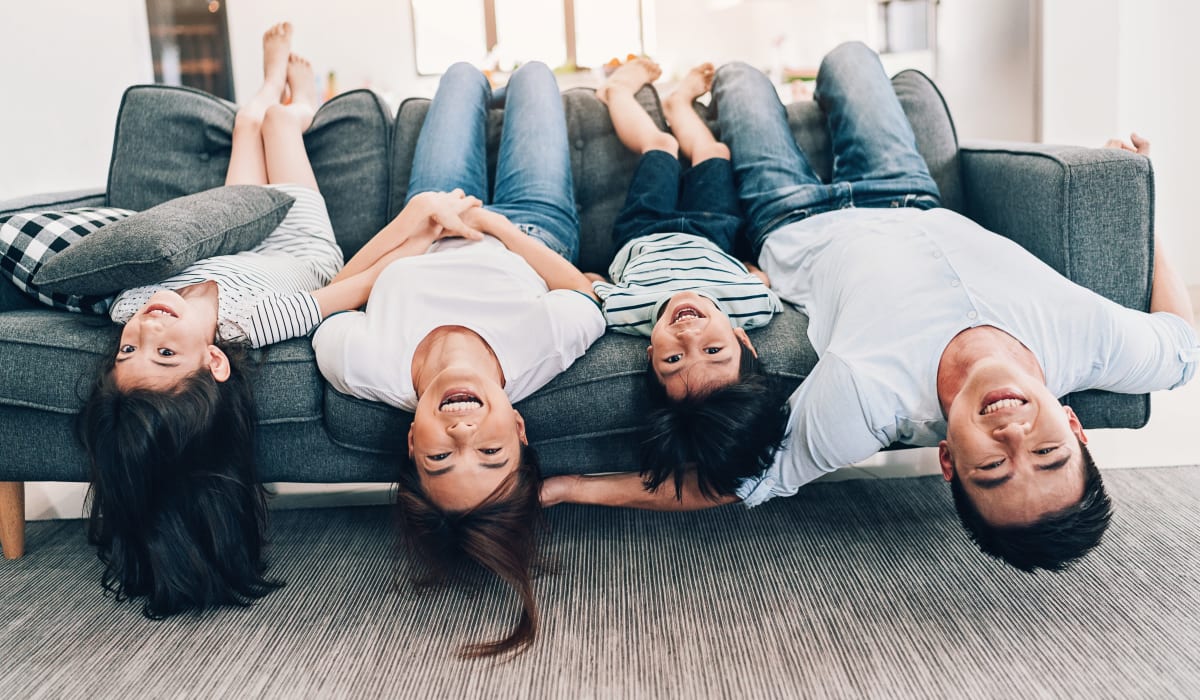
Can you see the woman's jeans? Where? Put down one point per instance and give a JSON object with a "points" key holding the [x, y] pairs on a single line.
{"points": [[875, 158], [533, 186]]}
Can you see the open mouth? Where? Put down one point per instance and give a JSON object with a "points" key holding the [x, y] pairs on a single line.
{"points": [[1000, 400], [459, 401], [685, 312], [160, 310]]}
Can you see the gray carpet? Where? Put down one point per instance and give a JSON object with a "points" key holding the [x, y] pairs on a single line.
{"points": [[850, 589]]}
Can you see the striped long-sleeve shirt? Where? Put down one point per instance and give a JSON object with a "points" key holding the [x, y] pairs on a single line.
{"points": [[649, 270], [264, 293]]}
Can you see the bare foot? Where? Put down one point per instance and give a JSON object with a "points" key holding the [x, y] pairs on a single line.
{"points": [[630, 77], [277, 44], [697, 82], [303, 86]]}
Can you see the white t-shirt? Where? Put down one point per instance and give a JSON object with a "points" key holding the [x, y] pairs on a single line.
{"points": [[886, 290], [481, 285]]}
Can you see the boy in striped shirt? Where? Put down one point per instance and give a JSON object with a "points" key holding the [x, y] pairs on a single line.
{"points": [[674, 279]]}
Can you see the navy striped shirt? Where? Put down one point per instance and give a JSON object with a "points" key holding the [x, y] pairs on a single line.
{"points": [[649, 270]]}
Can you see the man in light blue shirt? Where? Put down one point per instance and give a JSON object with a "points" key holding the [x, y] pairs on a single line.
{"points": [[929, 329]]}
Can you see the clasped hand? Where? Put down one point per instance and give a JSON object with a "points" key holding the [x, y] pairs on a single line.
{"points": [[443, 214]]}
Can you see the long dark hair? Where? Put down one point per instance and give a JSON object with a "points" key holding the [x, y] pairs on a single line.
{"points": [[500, 535], [724, 436], [177, 514]]}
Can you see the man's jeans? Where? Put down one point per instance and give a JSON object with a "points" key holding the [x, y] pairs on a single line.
{"points": [[533, 186], [875, 158]]}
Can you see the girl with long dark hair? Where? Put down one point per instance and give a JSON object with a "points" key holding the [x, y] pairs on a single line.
{"points": [[471, 325]]}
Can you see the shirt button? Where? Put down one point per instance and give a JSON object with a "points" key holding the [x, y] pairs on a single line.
{"points": [[972, 315], [953, 283]]}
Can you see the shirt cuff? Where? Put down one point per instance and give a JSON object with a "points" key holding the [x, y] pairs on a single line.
{"points": [[756, 491]]}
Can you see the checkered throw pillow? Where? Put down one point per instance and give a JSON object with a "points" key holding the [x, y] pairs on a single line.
{"points": [[29, 239]]}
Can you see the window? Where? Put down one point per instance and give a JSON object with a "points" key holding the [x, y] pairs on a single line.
{"points": [[189, 43], [506, 33]]}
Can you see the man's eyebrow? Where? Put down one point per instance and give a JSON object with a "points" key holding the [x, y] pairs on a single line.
{"points": [[991, 483], [1056, 464]]}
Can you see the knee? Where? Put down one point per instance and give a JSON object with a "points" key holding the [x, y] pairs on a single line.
{"points": [[534, 71], [278, 117], [462, 69], [734, 71], [248, 120], [850, 52]]}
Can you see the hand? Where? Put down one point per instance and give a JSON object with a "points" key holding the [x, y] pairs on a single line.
{"points": [[557, 489], [754, 270], [445, 212], [1140, 145]]}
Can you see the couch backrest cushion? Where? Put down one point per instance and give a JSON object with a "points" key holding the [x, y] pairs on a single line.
{"points": [[173, 141], [602, 167]]}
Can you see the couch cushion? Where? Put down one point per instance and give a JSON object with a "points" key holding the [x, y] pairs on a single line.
{"points": [[587, 418], [50, 358], [173, 141], [162, 241]]}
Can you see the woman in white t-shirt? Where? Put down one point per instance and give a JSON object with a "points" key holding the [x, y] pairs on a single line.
{"points": [[472, 323]]}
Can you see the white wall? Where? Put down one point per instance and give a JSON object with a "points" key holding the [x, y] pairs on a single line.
{"points": [[63, 67], [1115, 66]]}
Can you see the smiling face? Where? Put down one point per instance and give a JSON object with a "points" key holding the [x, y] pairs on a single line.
{"points": [[694, 349], [465, 438], [1014, 447], [168, 339]]}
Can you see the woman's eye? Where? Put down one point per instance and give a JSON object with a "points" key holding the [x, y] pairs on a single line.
{"points": [[490, 450], [438, 457], [712, 351], [127, 348], [672, 359], [166, 352]]}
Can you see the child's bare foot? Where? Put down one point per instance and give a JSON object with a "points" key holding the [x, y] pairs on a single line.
{"points": [[697, 82], [630, 77], [303, 86], [277, 45]]}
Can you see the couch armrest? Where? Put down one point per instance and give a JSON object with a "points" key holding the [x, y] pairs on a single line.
{"points": [[71, 199], [1086, 212]]}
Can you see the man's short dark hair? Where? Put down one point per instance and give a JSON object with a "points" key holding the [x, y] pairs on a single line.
{"points": [[726, 435], [1054, 541]]}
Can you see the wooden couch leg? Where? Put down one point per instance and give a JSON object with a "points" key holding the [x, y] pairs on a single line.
{"points": [[12, 518]]}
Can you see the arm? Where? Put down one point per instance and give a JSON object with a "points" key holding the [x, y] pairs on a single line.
{"points": [[348, 292], [427, 216], [625, 490], [552, 267], [1167, 291]]}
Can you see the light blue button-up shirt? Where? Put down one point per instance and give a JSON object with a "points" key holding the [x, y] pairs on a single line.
{"points": [[886, 290]]}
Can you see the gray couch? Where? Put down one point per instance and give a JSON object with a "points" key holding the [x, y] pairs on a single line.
{"points": [[1086, 212]]}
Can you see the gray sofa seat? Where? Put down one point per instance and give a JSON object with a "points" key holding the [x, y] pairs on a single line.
{"points": [[1087, 212]]}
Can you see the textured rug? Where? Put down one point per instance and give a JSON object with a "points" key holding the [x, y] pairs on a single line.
{"points": [[850, 589]]}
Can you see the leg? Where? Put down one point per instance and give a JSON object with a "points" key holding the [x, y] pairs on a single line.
{"points": [[452, 148], [247, 163], [284, 127], [533, 176], [634, 127], [873, 143], [775, 182], [696, 142], [12, 518], [650, 204]]}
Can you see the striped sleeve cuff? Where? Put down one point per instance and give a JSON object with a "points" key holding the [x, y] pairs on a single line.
{"points": [[279, 317]]}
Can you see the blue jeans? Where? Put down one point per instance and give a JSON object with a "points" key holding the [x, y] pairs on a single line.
{"points": [[875, 158], [533, 185], [664, 198]]}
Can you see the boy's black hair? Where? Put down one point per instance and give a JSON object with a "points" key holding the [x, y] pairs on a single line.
{"points": [[177, 514], [1054, 541], [726, 435]]}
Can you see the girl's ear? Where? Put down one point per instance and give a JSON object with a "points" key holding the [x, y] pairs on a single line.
{"points": [[744, 339], [218, 363]]}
